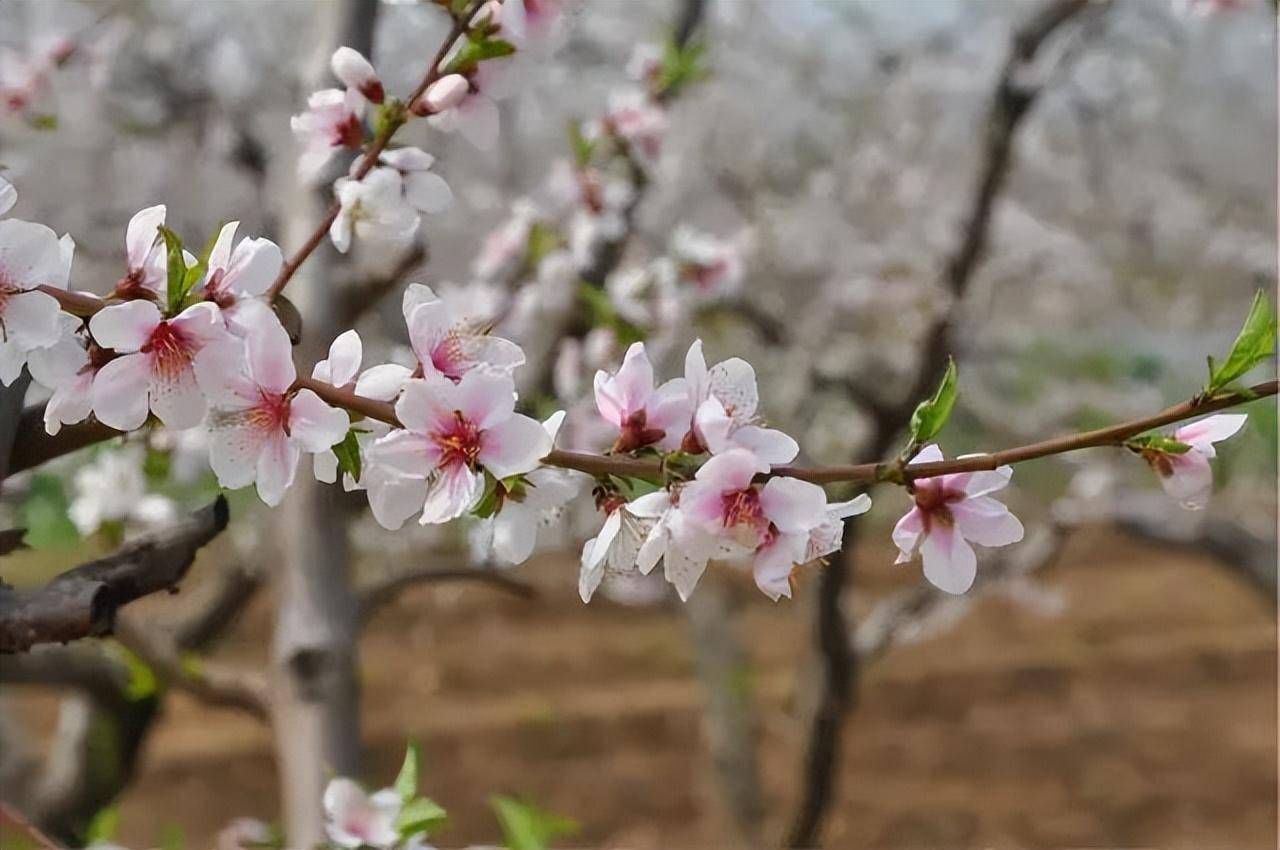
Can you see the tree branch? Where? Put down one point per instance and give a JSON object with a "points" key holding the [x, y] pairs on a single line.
{"points": [[82, 602], [384, 590]]}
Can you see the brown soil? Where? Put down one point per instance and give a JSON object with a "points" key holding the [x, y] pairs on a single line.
{"points": [[1144, 714]]}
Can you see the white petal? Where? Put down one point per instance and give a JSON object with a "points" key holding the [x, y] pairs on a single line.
{"points": [[125, 327], [31, 319], [142, 234], [427, 192], [477, 120], [344, 358], [949, 561], [987, 522], [277, 465], [382, 382], [515, 532], [120, 392], [314, 425], [176, 398], [451, 494], [30, 255]]}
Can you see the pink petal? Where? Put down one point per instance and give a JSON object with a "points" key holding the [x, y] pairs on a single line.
{"points": [[314, 425], [220, 255], [987, 522], [695, 373], [405, 453], [253, 267], [220, 373], [633, 383], [120, 392], [393, 498], [1210, 430], [514, 446], [175, 397], [277, 465], [734, 383], [30, 255], [929, 454], [125, 327], [270, 357], [1191, 482], [451, 494], [774, 563], [487, 398], [429, 326], [949, 562], [794, 506], [427, 404], [772, 447], [202, 324], [234, 447], [142, 234], [382, 382], [981, 483], [906, 534], [607, 401], [345, 354], [30, 319], [733, 470]]}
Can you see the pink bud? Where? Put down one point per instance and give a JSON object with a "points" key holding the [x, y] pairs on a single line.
{"points": [[355, 72], [445, 93]]}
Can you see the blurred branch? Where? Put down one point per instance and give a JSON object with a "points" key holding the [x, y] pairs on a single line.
{"points": [[235, 587], [10, 817], [384, 590], [358, 297], [1014, 95], [11, 419], [896, 616], [208, 681], [32, 445], [82, 602]]}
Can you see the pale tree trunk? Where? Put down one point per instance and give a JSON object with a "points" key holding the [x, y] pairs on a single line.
{"points": [[316, 698]]}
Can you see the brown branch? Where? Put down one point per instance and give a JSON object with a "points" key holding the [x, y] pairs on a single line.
{"points": [[356, 299], [386, 589], [32, 445], [208, 681], [370, 158], [82, 602], [9, 816]]}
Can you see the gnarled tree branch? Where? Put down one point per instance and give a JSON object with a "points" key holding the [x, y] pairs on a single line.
{"points": [[82, 602]]}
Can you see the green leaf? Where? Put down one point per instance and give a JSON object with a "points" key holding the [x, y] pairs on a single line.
{"points": [[406, 784], [476, 49], [601, 314], [681, 66], [44, 515], [102, 829], [177, 267], [1256, 342], [542, 241], [389, 117], [527, 827], [172, 838], [1158, 443], [487, 504], [930, 416], [583, 148], [348, 453], [420, 816], [142, 684]]}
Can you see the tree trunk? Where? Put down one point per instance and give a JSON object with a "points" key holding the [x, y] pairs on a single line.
{"points": [[316, 698]]}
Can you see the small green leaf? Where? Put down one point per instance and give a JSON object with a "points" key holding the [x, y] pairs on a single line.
{"points": [[930, 416], [527, 827], [1158, 443], [389, 117], [44, 515], [102, 829], [1256, 342], [142, 684], [420, 816], [177, 267], [348, 453], [487, 504], [407, 780], [476, 49], [583, 148], [542, 241], [681, 66], [47, 121]]}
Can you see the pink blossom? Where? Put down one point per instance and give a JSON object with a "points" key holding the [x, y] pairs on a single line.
{"points": [[259, 427], [614, 551], [355, 818], [452, 345], [237, 279], [634, 116], [643, 415], [67, 367], [373, 208], [1188, 477], [504, 249], [355, 72], [534, 26], [950, 512], [340, 369], [772, 523], [475, 114], [711, 267], [645, 63], [453, 433], [156, 371], [424, 190], [333, 120], [31, 255], [724, 400], [146, 274], [445, 93]]}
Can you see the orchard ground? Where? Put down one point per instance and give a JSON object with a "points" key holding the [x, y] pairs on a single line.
{"points": [[1143, 714]]}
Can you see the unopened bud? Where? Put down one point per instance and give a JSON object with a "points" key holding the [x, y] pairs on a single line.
{"points": [[355, 72], [445, 93], [490, 14]]}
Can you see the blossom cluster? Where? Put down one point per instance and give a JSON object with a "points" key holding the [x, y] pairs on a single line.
{"points": [[193, 342]]}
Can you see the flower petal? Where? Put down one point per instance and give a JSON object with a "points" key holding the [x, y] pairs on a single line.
{"points": [[987, 522], [142, 233], [125, 327], [949, 561], [794, 506], [514, 446], [451, 494], [120, 392], [314, 425], [277, 465]]}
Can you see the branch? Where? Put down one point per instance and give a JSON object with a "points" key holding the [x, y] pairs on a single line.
{"points": [[83, 601], [384, 590], [208, 681], [370, 158], [10, 817]]}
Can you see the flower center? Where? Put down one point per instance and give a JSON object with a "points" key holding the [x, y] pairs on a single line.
{"points": [[170, 351], [459, 442], [933, 501], [214, 291], [635, 434], [348, 133], [742, 514], [448, 357]]}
